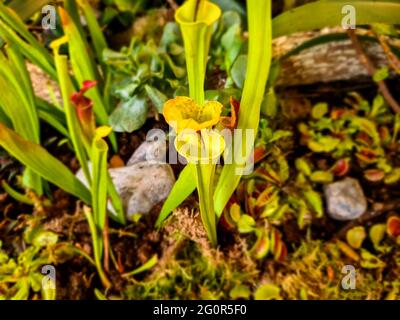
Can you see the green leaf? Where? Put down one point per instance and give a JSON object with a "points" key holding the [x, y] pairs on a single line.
{"points": [[74, 128], [97, 36], [53, 121], [183, 187], [246, 224], [262, 245], [15, 194], [156, 97], [269, 106], [321, 176], [40, 161], [319, 110], [324, 144], [238, 71], [44, 238], [370, 261], [18, 103], [99, 295], [377, 233], [303, 166], [4, 118], [393, 177], [304, 18], [171, 35], [145, 267], [130, 115], [381, 74], [368, 126], [315, 201], [231, 40], [356, 236], [129, 5], [232, 5], [267, 292], [116, 202], [240, 291], [99, 181], [26, 8], [84, 68], [258, 66], [14, 31]]}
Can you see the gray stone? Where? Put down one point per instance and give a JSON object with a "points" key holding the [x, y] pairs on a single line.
{"points": [[345, 199], [141, 185], [154, 149]]}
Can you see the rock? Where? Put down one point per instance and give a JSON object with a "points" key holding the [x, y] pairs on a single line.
{"points": [[345, 199], [154, 149], [141, 185]]}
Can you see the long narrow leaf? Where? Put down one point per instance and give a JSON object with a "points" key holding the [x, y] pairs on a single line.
{"points": [[11, 18], [259, 62], [26, 8], [84, 68], [321, 14], [30, 52], [116, 202], [99, 182], [98, 39], [15, 194], [43, 163], [52, 115], [74, 129], [17, 102], [4, 118]]}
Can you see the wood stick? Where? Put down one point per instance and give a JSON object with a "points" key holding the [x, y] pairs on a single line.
{"points": [[366, 61]]}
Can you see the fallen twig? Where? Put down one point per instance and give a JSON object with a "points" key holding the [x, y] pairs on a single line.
{"points": [[377, 210], [366, 61], [173, 4], [393, 60]]}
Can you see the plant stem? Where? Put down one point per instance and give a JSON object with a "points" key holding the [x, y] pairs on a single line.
{"points": [[96, 240], [205, 186], [106, 241]]}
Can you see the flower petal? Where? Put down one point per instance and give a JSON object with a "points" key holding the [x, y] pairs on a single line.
{"points": [[184, 113], [205, 147]]}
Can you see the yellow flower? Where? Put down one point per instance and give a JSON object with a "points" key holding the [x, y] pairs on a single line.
{"points": [[205, 147], [183, 113]]}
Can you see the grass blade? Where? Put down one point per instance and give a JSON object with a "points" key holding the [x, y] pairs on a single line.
{"points": [[99, 182], [43, 163], [304, 18], [74, 129], [17, 102], [99, 41], [15, 194], [84, 68], [26, 8]]}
